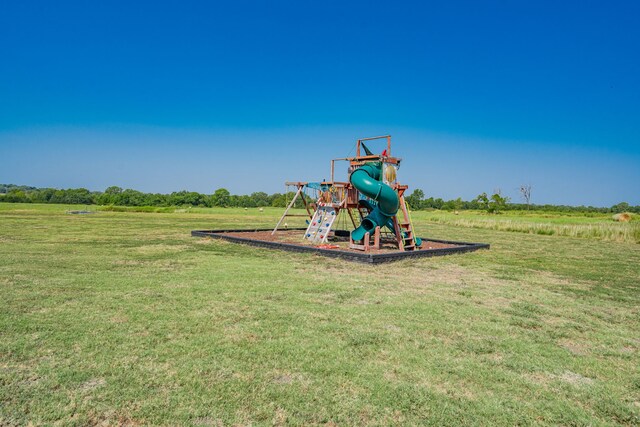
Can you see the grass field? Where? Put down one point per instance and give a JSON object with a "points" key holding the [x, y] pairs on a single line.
{"points": [[591, 225], [122, 318]]}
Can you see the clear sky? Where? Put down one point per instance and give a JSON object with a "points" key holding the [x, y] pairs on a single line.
{"points": [[478, 95]]}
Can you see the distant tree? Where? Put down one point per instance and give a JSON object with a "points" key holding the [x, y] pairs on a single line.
{"points": [[78, 196], [260, 199], [111, 196], [457, 203], [131, 197], [483, 201], [498, 203], [620, 207], [472, 204], [448, 205], [157, 199], [220, 198], [438, 203], [113, 190], [234, 201], [278, 200], [15, 196], [190, 198], [246, 201], [415, 199], [493, 204], [525, 190], [283, 200], [453, 205]]}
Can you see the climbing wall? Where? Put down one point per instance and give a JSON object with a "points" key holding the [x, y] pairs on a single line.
{"points": [[321, 224]]}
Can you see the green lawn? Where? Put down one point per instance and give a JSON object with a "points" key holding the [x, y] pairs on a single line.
{"points": [[123, 318], [589, 225]]}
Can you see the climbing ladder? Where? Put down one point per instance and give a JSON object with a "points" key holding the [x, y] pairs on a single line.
{"points": [[404, 228], [320, 225]]}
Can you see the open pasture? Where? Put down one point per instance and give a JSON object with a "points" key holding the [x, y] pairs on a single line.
{"points": [[585, 225], [123, 318]]}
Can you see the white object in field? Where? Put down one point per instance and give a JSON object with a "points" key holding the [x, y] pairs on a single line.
{"points": [[320, 225]]}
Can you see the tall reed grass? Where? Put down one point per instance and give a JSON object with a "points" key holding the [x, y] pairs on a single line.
{"points": [[613, 231]]}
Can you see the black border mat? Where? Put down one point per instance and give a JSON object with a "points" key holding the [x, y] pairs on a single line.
{"points": [[363, 257]]}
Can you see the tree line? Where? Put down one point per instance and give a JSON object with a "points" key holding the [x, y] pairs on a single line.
{"points": [[127, 197], [223, 198]]}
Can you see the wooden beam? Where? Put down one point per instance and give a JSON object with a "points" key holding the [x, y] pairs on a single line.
{"points": [[353, 221], [300, 187], [398, 231]]}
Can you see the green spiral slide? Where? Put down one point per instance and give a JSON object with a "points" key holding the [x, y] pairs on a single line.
{"points": [[366, 179]]}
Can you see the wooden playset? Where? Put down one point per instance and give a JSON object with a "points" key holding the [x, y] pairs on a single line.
{"points": [[371, 202]]}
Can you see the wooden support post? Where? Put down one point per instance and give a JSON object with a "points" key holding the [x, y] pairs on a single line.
{"points": [[376, 238], [367, 238], [306, 205], [300, 187], [332, 169], [353, 221], [398, 233]]}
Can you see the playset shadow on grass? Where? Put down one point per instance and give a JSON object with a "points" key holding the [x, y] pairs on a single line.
{"points": [[371, 202]]}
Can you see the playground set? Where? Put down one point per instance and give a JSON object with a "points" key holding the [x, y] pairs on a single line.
{"points": [[371, 202]]}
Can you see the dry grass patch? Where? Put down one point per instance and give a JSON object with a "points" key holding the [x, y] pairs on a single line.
{"points": [[92, 384], [574, 379], [574, 348]]}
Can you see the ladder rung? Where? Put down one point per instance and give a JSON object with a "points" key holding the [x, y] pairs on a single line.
{"points": [[296, 215]]}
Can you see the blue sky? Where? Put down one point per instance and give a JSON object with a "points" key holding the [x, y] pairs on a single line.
{"points": [[164, 96]]}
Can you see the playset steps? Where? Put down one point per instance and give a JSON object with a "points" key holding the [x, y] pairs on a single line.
{"points": [[320, 225], [406, 240]]}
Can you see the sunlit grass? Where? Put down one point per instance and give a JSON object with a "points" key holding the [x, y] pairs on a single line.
{"points": [[600, 226], [122, 318]]}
